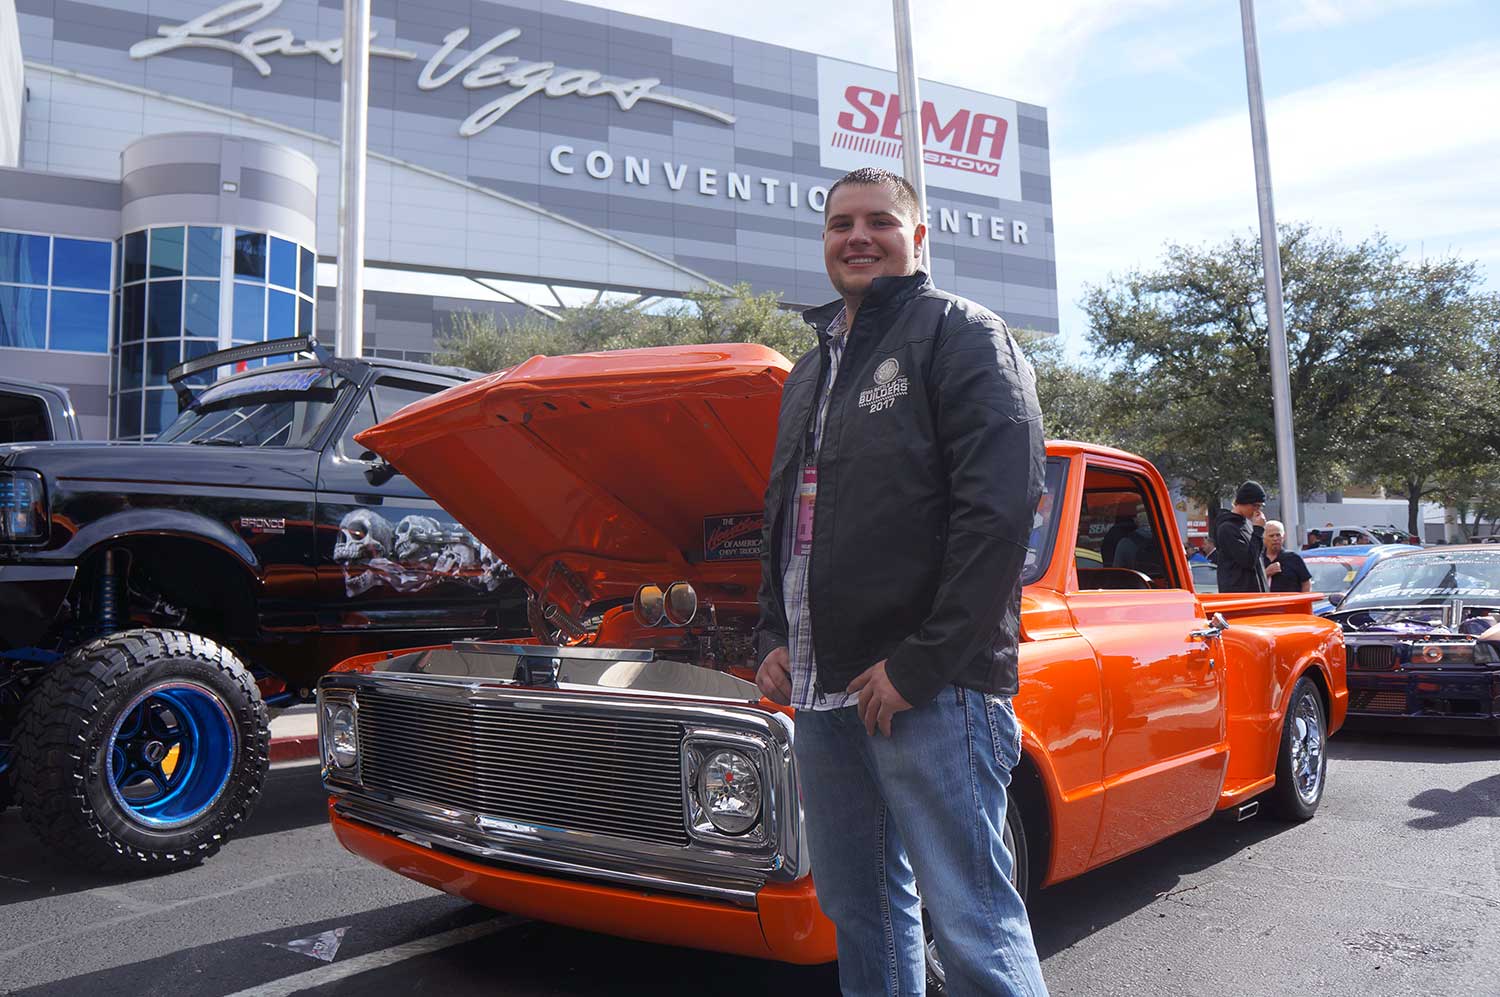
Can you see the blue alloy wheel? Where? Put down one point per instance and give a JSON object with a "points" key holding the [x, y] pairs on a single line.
{"points": [[171, 754], [141, 751]]}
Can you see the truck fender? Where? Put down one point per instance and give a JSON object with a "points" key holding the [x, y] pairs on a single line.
{"points": [[1316, 664], [162, 522]]}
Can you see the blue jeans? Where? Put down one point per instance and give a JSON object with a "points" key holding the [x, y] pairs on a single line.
{"points": [[925, 804]]}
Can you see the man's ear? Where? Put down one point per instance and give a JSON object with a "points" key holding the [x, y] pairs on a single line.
{"points": [[919, 236]]}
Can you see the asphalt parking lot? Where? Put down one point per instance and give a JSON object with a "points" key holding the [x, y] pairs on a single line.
{"points": [[1394, 889]]}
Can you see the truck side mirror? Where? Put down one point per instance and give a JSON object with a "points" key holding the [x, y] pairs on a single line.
{"points": [[1334, 598], [380, 470]]}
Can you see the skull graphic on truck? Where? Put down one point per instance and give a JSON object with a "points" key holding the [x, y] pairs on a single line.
{"points": [[415, 554]]}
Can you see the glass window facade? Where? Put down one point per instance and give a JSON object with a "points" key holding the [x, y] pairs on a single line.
{"points": [[55, 292], [176, 284]]}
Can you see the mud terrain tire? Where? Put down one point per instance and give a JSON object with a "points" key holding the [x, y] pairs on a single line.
{"points": [[142, 752]]}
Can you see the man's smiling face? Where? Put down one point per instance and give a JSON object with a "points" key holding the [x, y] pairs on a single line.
{"points": [[867, 234]]}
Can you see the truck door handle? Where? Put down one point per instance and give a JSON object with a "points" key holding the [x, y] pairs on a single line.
{"points": [[1215, 629]]}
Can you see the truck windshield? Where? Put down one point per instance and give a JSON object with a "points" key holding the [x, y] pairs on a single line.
{"points": [[1044, 521], [283, 408]]}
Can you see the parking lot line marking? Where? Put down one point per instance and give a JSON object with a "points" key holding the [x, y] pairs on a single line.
{"points": [[375, 960]]}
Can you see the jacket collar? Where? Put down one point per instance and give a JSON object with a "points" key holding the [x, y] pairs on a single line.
{"points": [[885, 292]]}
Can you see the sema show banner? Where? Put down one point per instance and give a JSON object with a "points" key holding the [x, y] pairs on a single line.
{"points": [[968, 139]]}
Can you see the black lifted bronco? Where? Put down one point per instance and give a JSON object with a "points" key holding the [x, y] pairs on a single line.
{"points": [[156, 598]]}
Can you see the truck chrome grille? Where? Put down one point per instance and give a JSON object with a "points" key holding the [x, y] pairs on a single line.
{"points": [[619, 776]]}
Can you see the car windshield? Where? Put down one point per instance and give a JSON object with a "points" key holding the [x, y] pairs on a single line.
{"points": [[1428, 579], [1332, 574], [284, 408]]}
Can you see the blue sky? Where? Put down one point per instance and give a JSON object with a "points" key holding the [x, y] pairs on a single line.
{"points": [[1383, 115]]}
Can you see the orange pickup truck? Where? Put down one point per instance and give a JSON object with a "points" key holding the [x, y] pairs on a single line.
{"points": [[558, 778]]}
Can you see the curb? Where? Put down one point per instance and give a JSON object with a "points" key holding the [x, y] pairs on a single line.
{"points": [[292, 749], [294, 735]]}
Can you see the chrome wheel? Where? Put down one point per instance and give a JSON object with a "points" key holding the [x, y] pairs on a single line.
{"points": [[1307, 744]]}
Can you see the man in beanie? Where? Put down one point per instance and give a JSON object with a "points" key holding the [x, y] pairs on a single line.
{"points": [[1240, 536]]}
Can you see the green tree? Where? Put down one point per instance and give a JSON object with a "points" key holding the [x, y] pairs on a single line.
{"points": [[1189, 345], [1078, 401], [1473, 493], [477, 341], [1437, 407]]}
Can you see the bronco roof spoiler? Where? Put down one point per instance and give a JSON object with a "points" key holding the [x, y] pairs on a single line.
{"points": [[352, 369]]}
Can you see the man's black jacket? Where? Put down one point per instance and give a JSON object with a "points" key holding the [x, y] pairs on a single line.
{"points": [[928, 474], [1240, 548]]}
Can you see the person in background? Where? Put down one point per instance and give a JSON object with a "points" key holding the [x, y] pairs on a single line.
{"points": [[1314, 540], [1239, 535], [1125, 524], [1286, 570]]}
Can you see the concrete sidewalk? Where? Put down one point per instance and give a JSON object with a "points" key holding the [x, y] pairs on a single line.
{"points": [[294, 734]]}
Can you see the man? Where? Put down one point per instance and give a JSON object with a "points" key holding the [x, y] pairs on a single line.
{"points": [[1139, 551], [908, 463], [1314, 540], [1285, 569], [1123, 527], [1240, 537]]}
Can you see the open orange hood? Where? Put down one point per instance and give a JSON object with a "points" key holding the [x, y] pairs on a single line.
{"points": [[593, 474]]}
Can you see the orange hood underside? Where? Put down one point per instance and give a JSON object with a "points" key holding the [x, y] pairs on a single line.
{"points": [[596, 473]]}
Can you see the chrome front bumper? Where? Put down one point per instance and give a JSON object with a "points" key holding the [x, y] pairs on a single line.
{"points": [[445, 802]]}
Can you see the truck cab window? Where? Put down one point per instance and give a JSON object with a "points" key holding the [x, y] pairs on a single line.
{"points": [[386, 397], [23, 418], [1120, 536]]}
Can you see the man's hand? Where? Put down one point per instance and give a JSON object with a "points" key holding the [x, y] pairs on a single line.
{"points": [[774, 677], [1259, 519], [1272, 569], [878, 698]]}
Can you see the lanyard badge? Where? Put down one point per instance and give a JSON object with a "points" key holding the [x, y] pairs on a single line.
{"points": [[807, 496]]}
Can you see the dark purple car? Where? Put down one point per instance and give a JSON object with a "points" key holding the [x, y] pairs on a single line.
{"points": [[1423, 637]]}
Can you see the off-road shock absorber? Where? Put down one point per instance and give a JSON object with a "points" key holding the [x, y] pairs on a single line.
{"points": [[107, 588]]}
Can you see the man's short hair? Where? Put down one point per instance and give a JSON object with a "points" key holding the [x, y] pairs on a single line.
{"points": [[1280, 526], [901, 189]]}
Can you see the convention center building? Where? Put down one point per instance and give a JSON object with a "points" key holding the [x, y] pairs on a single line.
{"points": [[169, 177]]}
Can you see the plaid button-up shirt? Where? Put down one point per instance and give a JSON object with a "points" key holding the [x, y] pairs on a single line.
{"points": [[794, 574]]}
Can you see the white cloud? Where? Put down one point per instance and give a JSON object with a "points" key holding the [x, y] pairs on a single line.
{"points": [[1027, 51], [1409, 151], [1302, 15]]}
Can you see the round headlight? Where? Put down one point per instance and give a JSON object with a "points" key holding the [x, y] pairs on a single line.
{"points": [[729, 791], [343, 742]]}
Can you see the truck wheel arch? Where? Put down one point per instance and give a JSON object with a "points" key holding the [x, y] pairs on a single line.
{"points": [[1315, 668], [1032, 785], [109, 530], [192, 571]]}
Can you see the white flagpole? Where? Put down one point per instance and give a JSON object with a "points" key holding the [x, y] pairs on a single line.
{"points": [[911, 117], [349, 301], [1281, 388]]}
